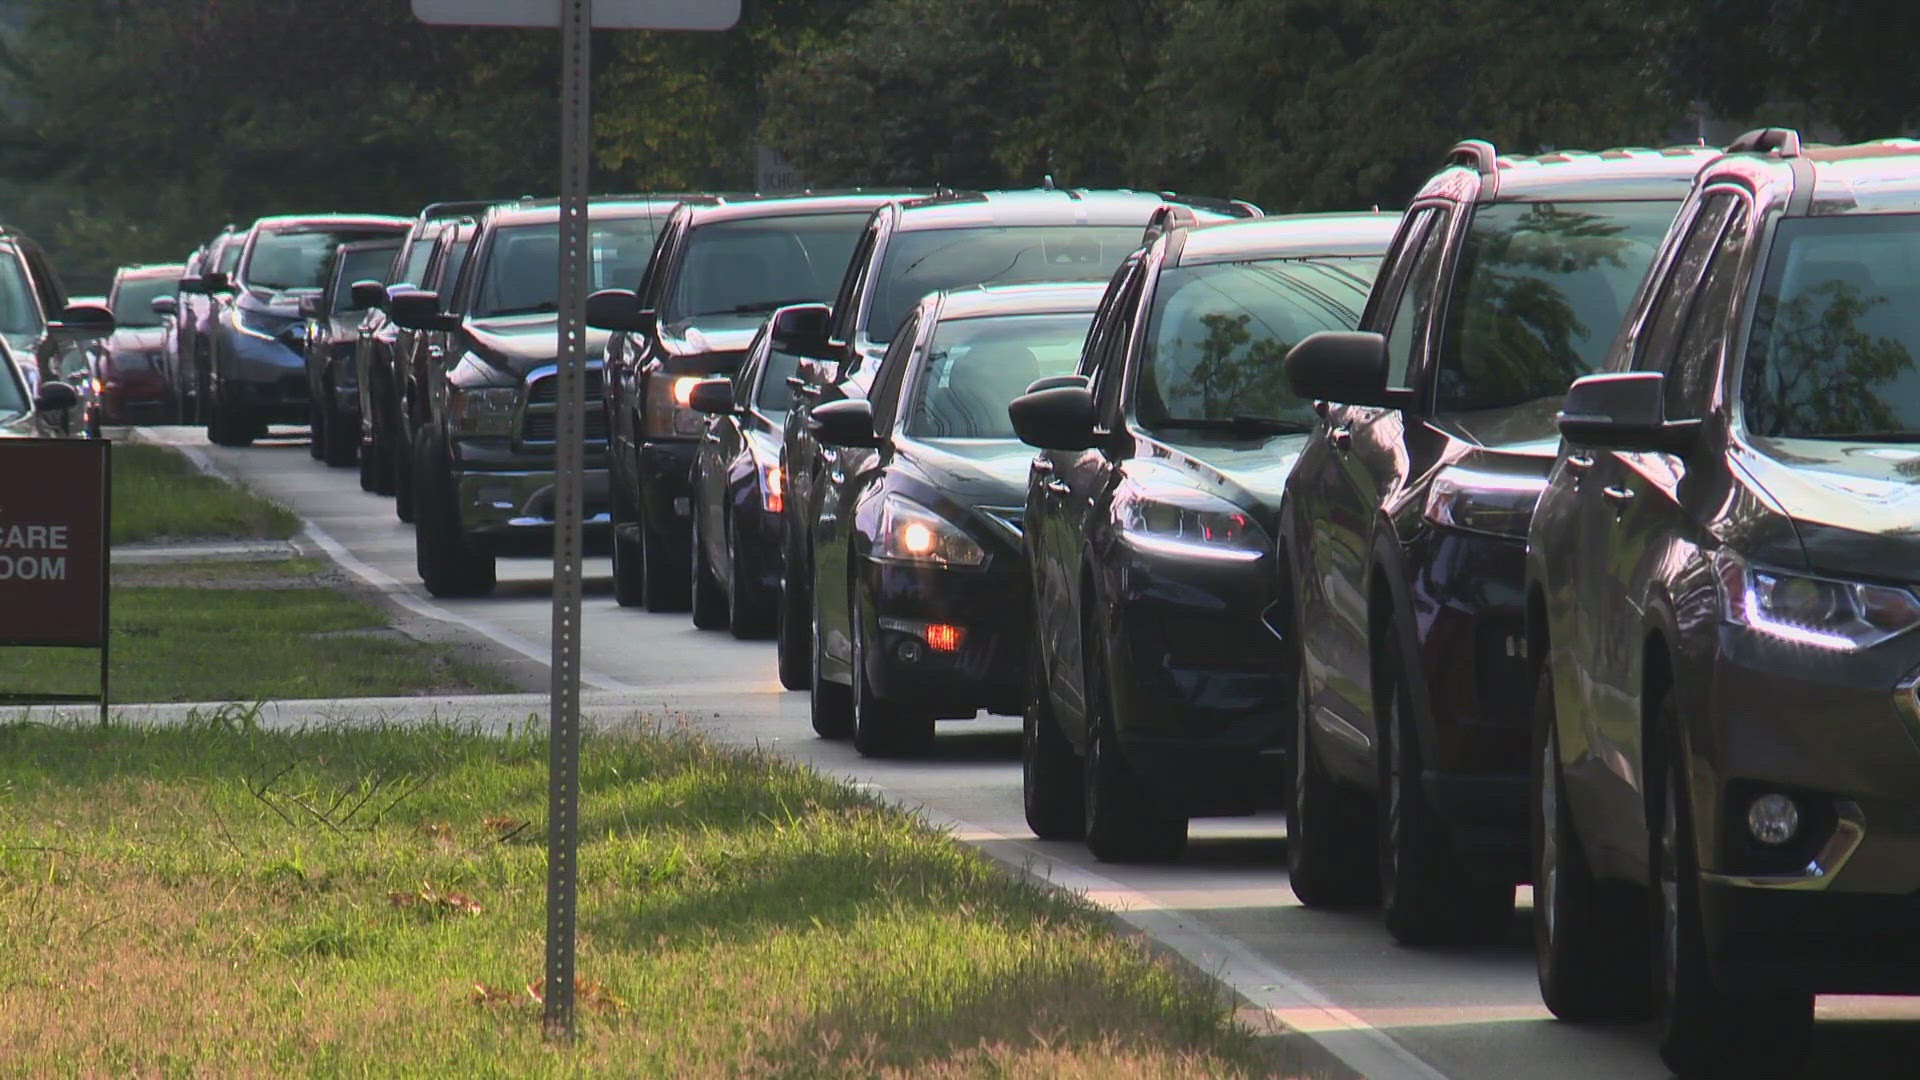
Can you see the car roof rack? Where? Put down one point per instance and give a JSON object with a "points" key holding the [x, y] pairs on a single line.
{"points": [[1771, 140], [457, 208], [1166, 218], [1476, 154]]}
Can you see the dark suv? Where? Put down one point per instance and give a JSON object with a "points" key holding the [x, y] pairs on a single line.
{"points": [[1722, 588], [483, 460], [720, 268], [332, 340], [255, 347], [1404, 524]]}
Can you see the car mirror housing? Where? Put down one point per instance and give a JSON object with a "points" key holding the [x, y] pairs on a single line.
{"points": [[619, 309], [801, 330], [1056, 418], [193, 285], [368, 294], [214, 281], [56, 397], [1623, 410], [712, 396], [164, 306], [80, 320], [420, 310], [848, 422], [1053, 382], [1347, 366]]}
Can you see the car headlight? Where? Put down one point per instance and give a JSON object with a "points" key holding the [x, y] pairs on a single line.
{"points": [[1823, 613], [257, 325], [483, 411], [667, 412], [1499, 504], [910, 532], [1190, 526], [772, 478]]}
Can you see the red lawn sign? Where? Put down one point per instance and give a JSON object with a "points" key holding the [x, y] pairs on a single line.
{"points": [[53, 551]]}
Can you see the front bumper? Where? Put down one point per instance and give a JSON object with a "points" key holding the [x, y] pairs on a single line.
{"points": [[988, 606], [666, 488], [504, 493]]}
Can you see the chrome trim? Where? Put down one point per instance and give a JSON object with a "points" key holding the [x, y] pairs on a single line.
{"points": [[525, 407], [1330, 722], [1906, 698], [1848, 833]]}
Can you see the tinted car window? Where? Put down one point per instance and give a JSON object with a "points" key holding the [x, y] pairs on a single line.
{"points": [[1217, 333], [974, 367], [297, 259], [360, 266], [18, 313], [230, 256], [758, 264], [133, 299], [931, 260], [1835, 331], [1538, 297], [775, 396], [416, 264], [13, 392], [523, 269]]}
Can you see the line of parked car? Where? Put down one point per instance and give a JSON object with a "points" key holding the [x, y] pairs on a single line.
{"points": [[1559, 530]]}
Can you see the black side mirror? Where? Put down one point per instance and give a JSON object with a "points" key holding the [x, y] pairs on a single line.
{"points": [[214, 281], [83, 320], [1058, 418], [1624, 410], [1347, 366], [193, 285], [56, 397], [713, 396], [847, 422], [1054, 382], [618, 309], [419, 309], [165, 306], [368, 294], [801, 330]]}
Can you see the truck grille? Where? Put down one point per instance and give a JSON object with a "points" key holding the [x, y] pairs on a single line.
{"points": [[545, 388], [539, 418]]}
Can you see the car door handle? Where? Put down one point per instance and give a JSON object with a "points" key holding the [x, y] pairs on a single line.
{"points": [[1055, 485], [711, 437], [1618, 496], [1579, 463], [1340, 438]]}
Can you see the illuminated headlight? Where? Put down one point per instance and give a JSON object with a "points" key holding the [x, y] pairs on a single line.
{"points": [[483, 411], [667, 412], [256, 325], [1500, 504], [1822, 613], [1190, 526], [910, 532]]}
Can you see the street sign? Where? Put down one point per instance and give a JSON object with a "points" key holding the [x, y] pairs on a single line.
{"points": [[55, 502], [607, 14]]}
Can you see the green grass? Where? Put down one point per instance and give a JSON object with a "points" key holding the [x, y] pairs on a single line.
{"points": [[200, 642], [159, 495], [223, 900]]}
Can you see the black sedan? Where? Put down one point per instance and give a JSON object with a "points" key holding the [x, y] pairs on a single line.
{"points": [[917, 569], [1159, 692], [332, 336], [739, 488]]}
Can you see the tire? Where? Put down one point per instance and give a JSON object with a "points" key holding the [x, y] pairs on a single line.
{"points": [[750, 612], [1586, 937], [793, 626], [709, 605], [387, 449], [664, 582], [881, 728], [317, 433], [1704, 1029], [1330, 829], [1051, 774], [830, 704], [373, 466], [339, 444], [449, 563], [404, 440], [228, 427], [1430, 893], [202, 393], [1125, 822]]}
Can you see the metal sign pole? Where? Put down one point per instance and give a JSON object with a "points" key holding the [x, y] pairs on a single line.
{"points": [[563, 763]]}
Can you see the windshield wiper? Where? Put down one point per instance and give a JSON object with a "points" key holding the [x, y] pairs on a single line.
{"points": [[546, 308], [1234, 425], [760, 307], [1864, 436]]}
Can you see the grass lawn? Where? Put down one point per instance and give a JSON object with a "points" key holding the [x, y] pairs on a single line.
{"points": [[245, 632], [159, 495], [223, 900]]}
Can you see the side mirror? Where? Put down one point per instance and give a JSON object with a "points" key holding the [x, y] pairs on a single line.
{"points": [[1059, 418], [712, 396], [214, 281], [83, 320], [1054, 382], [1347, 366], [1624, 410], [165, 306], [618, 309], [848, 422], [801, 330], [193, 284], [419, 309], [368, 294], [56, 397]]}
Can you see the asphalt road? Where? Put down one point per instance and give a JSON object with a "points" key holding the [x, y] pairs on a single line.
{"points": [[1373, 1007]]}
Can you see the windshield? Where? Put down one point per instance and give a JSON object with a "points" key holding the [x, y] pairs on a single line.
{"points": [[418, 253], [1538, 297], [13, 390], [359, 265], [753, 266], [974, 367], [133, 299], [931, 260], [230, 255], [522, 274], [1218, 333], [18, 312], [290, 259], [1835, 331]]}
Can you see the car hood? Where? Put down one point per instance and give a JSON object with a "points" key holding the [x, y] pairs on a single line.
{"points": [[137, 338], [520, 343], [978, 472], [1250, 473], [1854, 507], [284, 304]]}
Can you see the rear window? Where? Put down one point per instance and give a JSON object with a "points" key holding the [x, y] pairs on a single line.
{"points": [[932, 260], [133, 299], [298, 259], [975, 367]]}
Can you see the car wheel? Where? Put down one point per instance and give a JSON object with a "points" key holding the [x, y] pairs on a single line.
{"points": [[202, 393], [831, 704], [404, 446], [1330, 829], [372, 467], [1050, 771], [664, 581], [228, 427], [317, 425], [1703, 1028], [1431, 894], [881, 728], [1125, 821], [1586, 937], [449, 563], [793, 627], [708, 604], [749, 611], [629, 585], [339, 443]]}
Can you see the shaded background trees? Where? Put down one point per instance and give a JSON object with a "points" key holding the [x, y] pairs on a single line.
{"points": [[134, 128]]}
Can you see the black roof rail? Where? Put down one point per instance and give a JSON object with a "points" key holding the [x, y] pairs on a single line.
{"points": [[1775, 140], [1476, 154], [457, 207], [1167, 217]]}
